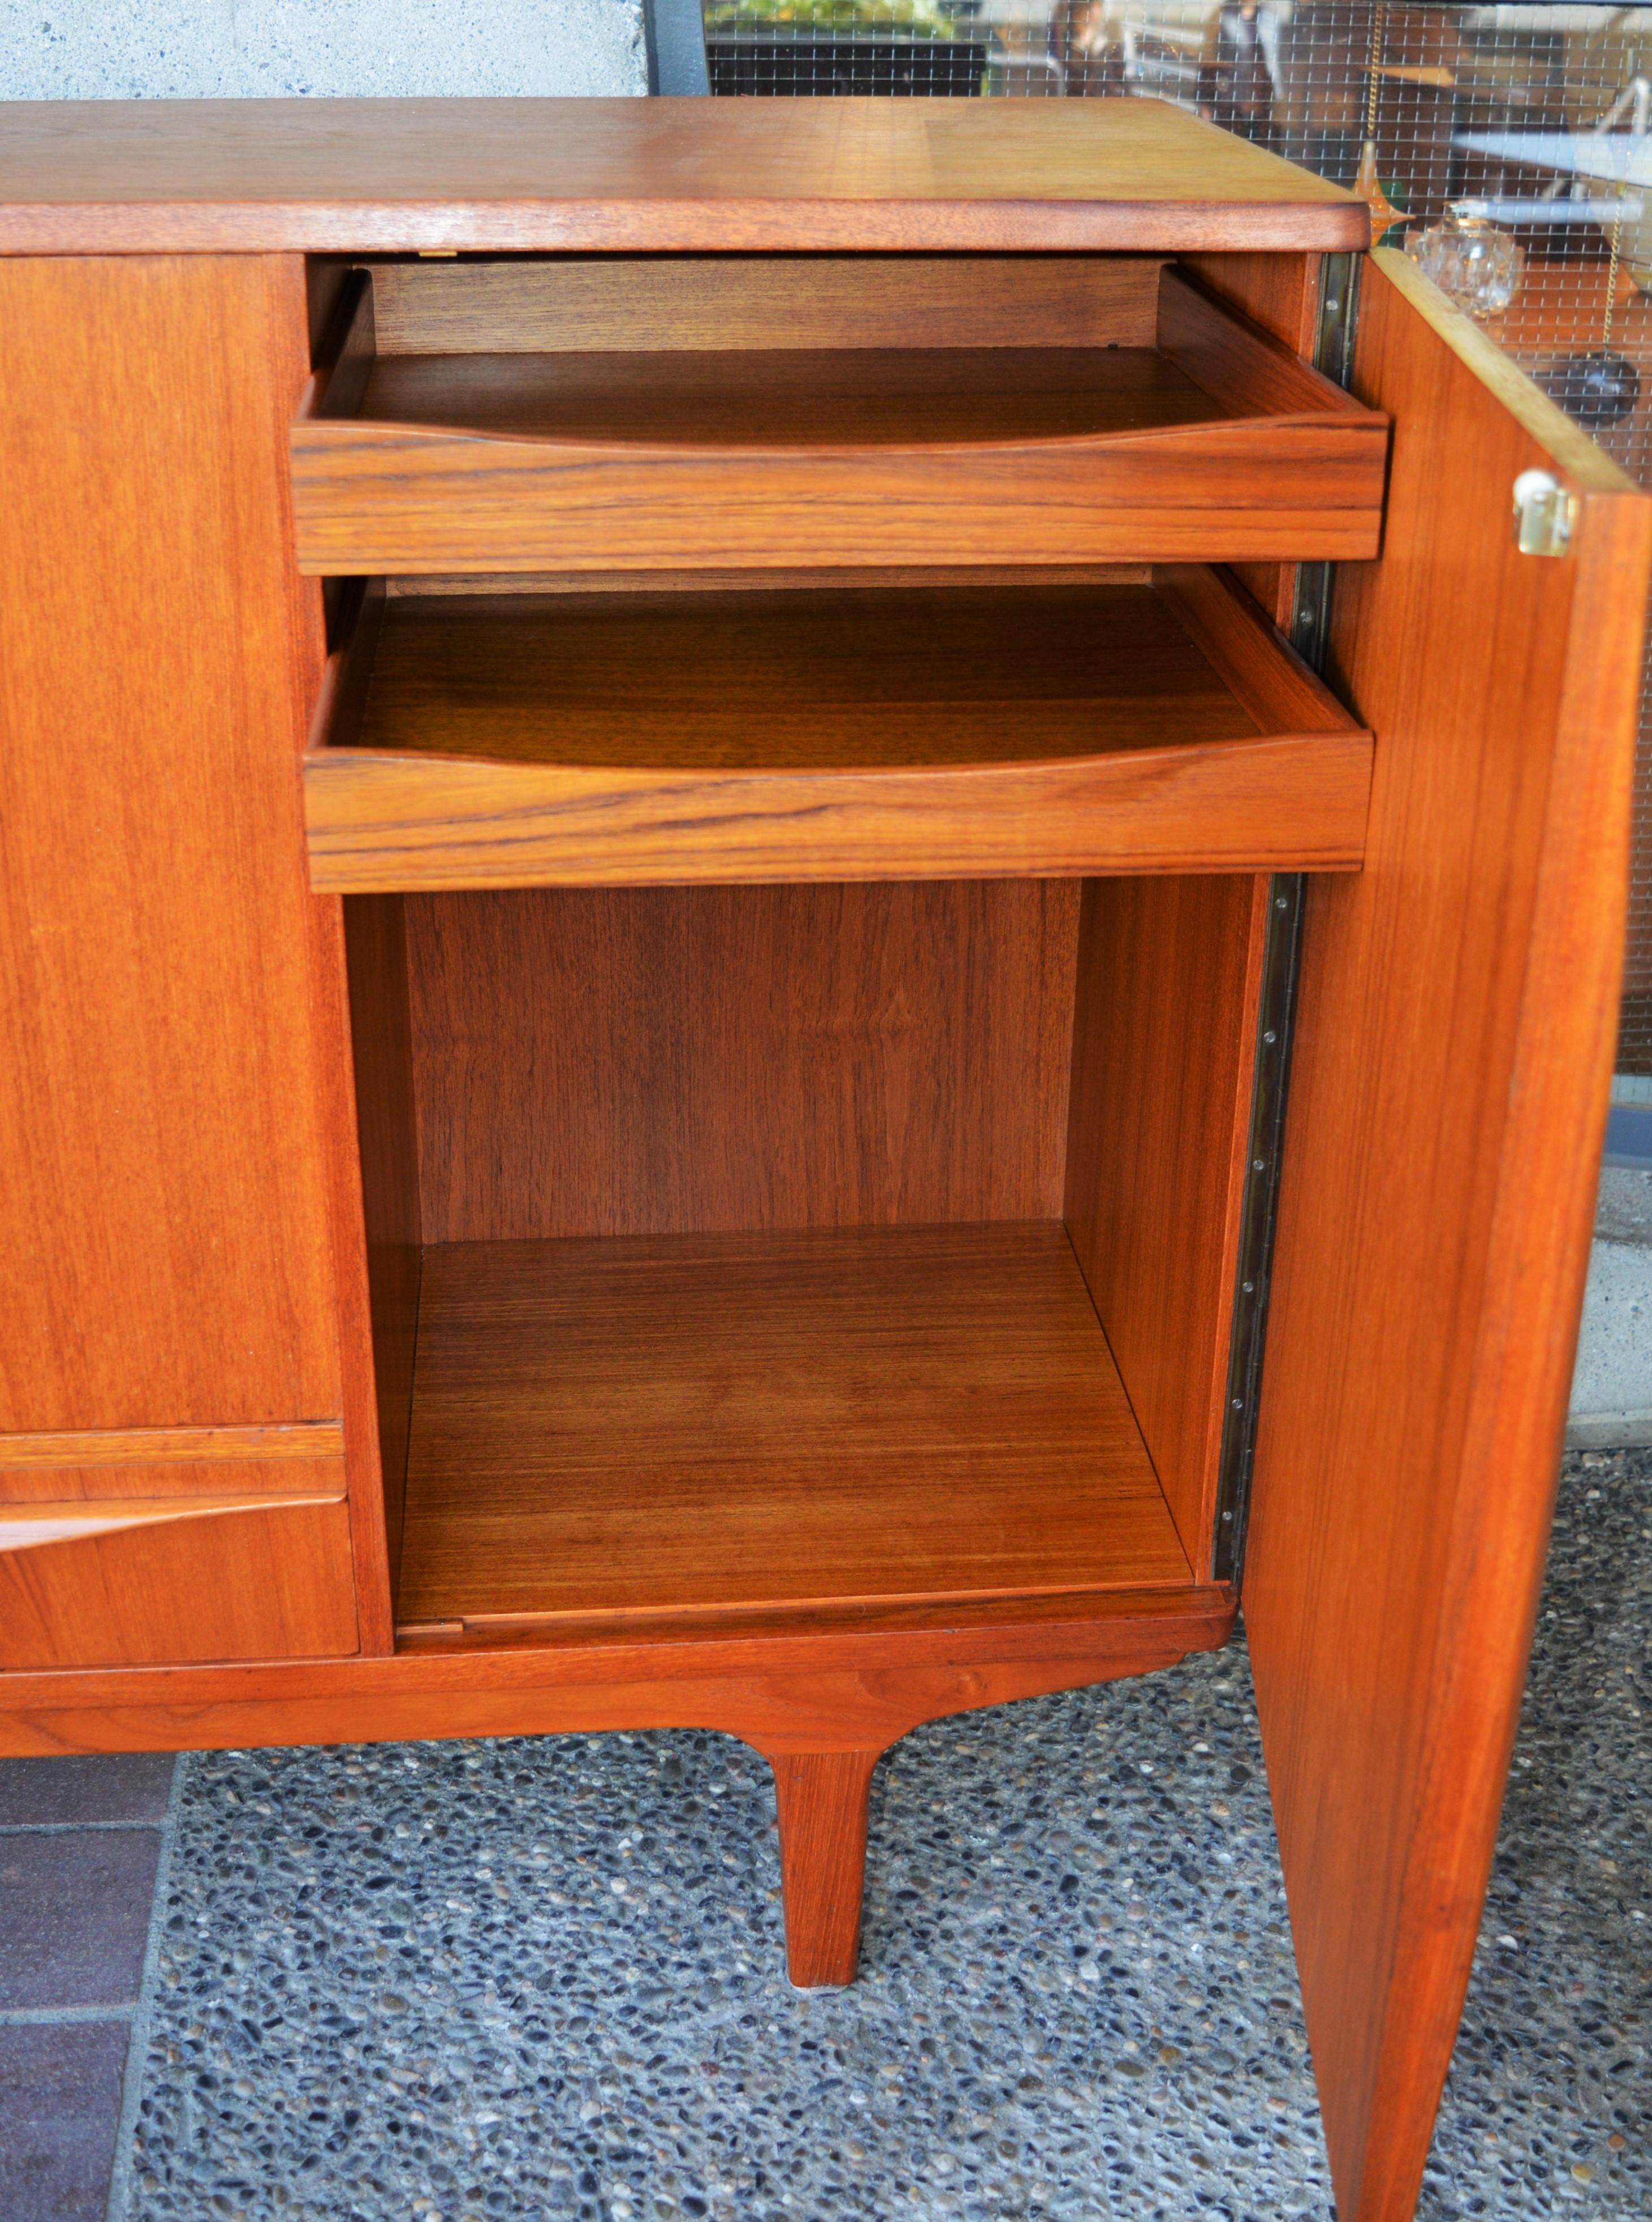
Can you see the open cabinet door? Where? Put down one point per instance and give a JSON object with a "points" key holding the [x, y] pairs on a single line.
{"points": [[1454, 1037]]}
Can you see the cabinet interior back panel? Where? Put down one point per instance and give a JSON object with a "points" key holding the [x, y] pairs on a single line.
{"points": [[600, 1062]]}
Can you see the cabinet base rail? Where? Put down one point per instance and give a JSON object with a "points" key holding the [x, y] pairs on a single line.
{"points": [[821, 1704]]}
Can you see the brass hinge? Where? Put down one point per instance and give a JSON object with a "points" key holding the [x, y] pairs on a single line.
{"points": [[1543, 514]]}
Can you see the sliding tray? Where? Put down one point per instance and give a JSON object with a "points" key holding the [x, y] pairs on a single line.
{"points": [[483, 740], [751, 413]]}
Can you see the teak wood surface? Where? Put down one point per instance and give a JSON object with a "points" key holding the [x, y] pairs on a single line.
{"points": [[660, 1424], [1214, 442], [1168, 977], [28, 1525], [171, 1112], [708, 1060], [166, 1446], [734, 303], [655, 176], [177, 1207], [816, 1681], [108, 1492], [1454, 1044], [806, 1695], [821, 1807], [387, 1136], [1280, 295], [472, 742], [253, 1578], [152, 875]]}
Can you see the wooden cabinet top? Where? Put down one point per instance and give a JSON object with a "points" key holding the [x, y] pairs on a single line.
{"points": [[393, 176]]}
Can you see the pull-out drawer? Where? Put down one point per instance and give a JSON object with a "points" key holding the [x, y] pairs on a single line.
{"points": [[582, 413], [170, 1555], [484, 739]]}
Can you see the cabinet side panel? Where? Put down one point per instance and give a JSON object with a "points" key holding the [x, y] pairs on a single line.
{"points": [[701, 1060], [164, 1211], [382, 1037], [1453, 1044], [1164, 1040]]}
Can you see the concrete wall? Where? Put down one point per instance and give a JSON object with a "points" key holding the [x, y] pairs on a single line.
{"points": [[1611, 1391], [181, 49]]}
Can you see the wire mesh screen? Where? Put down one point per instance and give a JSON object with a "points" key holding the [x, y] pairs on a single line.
{"points": [[1538, 118]]}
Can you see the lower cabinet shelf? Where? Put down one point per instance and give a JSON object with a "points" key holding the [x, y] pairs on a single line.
{"points": [[716, 1424], [486, 740]]}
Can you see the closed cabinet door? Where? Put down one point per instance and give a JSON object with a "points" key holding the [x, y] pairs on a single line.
{"points": [[173, 1360], [1453, 1043]]}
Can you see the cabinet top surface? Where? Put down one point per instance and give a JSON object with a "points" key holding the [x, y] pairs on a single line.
{"points": [[393, 176]]}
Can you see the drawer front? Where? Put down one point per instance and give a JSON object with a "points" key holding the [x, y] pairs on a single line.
{"points": [[97, 1463], [251, 1560], [371, 497]]}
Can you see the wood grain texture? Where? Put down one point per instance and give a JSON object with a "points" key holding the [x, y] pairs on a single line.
{"points": [[1283, 803], [1240, 362], [820, 1804], [640, 740], [764, 400], [1449, 1088], [183, 1480], [731, 302], [29, 1524], [173, 1077], [390, 176], [353, 1295], [164, 1446], [264, 1582], [696, 1061], [386, 1136], [707, 1422], [841, 456], [1163, 1043], [345, 352], [1266, 676], [1280, 293], [801, 1682], [164, 1211], [839, 680], [422, 586]]}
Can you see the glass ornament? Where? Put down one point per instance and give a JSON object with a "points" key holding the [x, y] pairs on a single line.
{"points": [[1471, 262]]}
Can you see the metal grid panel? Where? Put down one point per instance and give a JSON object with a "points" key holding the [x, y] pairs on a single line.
{"points": [[1541, 112]]}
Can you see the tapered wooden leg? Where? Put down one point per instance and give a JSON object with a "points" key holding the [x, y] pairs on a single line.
{"points": [[821, 1796]]}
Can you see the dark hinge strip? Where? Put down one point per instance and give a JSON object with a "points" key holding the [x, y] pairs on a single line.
{"points": [[1275, 1018]]}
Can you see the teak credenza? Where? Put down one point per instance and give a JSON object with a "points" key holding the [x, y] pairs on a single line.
{"points": [[661, 847]]}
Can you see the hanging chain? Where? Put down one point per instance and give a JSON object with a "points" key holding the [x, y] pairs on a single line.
{"points": [[1611, 274], [1378, 21]]}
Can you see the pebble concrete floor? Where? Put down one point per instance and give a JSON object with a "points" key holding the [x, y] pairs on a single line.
{"points": [[542, 1980]]}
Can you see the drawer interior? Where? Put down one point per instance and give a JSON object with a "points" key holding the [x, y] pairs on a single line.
{"points": [[480, 738], [593, 411], [799, 351]]}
